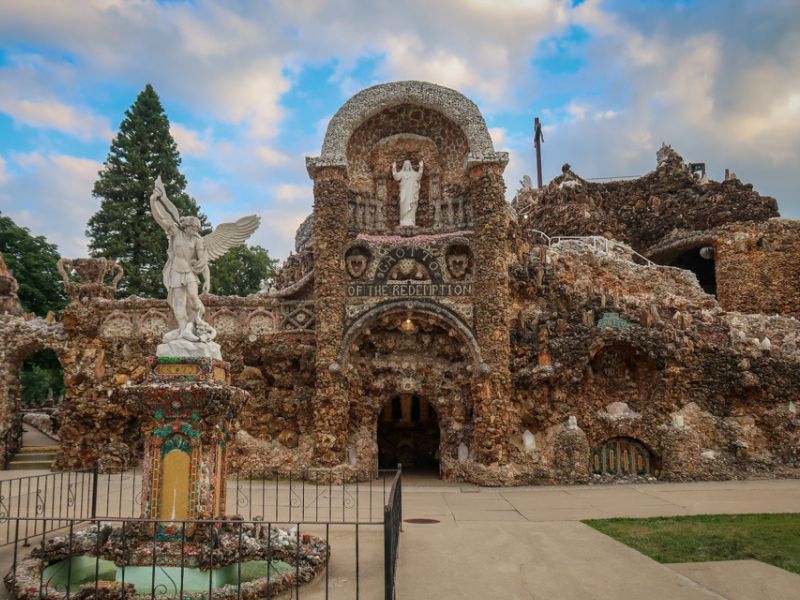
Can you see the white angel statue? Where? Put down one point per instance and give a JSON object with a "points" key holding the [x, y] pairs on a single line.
{"points": [[189, 254]]}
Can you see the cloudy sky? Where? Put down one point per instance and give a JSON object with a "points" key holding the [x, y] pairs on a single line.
{"points": [[250, 85]]}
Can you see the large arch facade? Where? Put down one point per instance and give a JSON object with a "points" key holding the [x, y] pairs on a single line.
{"points": [[411, 350], [449, 268]]}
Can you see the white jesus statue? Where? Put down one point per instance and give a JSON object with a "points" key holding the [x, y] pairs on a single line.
{"points": [[409, 191]]}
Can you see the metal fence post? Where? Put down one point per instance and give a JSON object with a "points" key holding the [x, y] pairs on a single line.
{"points": [[95, 472], [400, 496], [388, 562]]}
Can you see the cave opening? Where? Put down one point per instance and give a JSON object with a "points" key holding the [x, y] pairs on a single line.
{"points": [[699, 261]]}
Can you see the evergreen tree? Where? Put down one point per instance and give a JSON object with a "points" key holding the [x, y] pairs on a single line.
{"points": [[123, 228], [240, 271], [33, 261]]}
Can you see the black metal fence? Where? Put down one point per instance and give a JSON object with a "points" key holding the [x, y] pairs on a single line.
{"points": [[356, 520], [49, 501], [392, 525]]}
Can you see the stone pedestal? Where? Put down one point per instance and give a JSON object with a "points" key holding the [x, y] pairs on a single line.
{"points": [[187, 409]]}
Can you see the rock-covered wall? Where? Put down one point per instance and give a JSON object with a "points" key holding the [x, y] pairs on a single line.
{"points": [[104, 344], [758, 267], [641, 352], [642, 211]]}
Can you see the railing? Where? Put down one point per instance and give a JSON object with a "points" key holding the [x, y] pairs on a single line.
{"points": [[49, 500], [310, 494], [392, 525], [599, 244], [36, 510]]}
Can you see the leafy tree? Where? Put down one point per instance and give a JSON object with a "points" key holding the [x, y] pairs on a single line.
{"points": [[240, 271], [32, 260], [40, 374], [123, 229]]}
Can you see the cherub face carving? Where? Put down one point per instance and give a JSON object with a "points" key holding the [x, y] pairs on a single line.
{"points": [[356, 262], [457, 265]]}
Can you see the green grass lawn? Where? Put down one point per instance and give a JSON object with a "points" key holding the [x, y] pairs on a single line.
{"points": [[774, 539]]}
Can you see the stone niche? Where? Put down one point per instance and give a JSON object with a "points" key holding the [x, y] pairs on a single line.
{"points": [[414, 133]]}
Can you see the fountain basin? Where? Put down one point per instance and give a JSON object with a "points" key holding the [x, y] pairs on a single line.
{"points": [[81, 570]]}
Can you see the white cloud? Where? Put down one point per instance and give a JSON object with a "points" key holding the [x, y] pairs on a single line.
{"points": [[577, 111], [291, 193], [3, 173], [55, 115], [270, 156], [190, 142], [278, 228], [499, 137], [59, 186], [721, 85], [605, 114], [409, 58]]}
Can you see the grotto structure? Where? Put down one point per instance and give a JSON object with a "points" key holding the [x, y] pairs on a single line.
{"points": [[641, 329]]}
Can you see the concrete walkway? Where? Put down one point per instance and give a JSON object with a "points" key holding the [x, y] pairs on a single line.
{"points": [[527, 542], [742, 579], [33, 438]]}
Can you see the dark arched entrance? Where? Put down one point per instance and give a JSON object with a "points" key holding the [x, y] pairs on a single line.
{"points": [[623, 457], [699, 261], [408, 434]]}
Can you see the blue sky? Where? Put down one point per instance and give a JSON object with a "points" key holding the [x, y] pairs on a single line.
{"points": [[249, 87]]}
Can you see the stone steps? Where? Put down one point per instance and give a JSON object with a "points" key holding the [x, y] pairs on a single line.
{"points": [[33, 457]]}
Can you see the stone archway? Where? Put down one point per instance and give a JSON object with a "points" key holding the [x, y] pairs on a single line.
{"points": [[410, 375], [29, 343]]}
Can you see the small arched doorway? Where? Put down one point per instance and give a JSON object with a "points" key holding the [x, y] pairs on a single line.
{"points": [[37, 390], [408, 434], [623, 457]]}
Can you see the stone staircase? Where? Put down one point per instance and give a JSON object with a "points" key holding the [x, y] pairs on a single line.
{"points": [[38, 451], [33, 457]]}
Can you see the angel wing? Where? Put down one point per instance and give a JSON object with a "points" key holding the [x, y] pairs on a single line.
{"points": [[164, 211], [226, 236]]}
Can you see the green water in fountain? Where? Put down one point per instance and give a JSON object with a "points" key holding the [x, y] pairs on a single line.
{"points": [[167, 579]]}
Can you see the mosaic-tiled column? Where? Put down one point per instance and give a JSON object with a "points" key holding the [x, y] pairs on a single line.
{"points": [[187, 409]]}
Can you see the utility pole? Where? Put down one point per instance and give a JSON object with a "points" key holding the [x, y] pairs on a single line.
{"points": [[538, 140]]}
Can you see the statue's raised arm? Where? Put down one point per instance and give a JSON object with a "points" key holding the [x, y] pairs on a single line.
{"points": [[164, 211]]}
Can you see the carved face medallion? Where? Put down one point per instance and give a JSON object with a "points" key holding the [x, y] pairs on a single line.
{"points": [[457, 265], [356, 262]]}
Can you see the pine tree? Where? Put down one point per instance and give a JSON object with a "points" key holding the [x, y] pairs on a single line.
{"points": [[123, 228]]}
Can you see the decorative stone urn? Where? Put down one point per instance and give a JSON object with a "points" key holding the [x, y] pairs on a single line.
{"points": [[91, 274]]}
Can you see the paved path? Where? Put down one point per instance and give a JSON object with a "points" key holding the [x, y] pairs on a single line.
{"points": [[742, 579], [527, 542], [32, 437]]}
